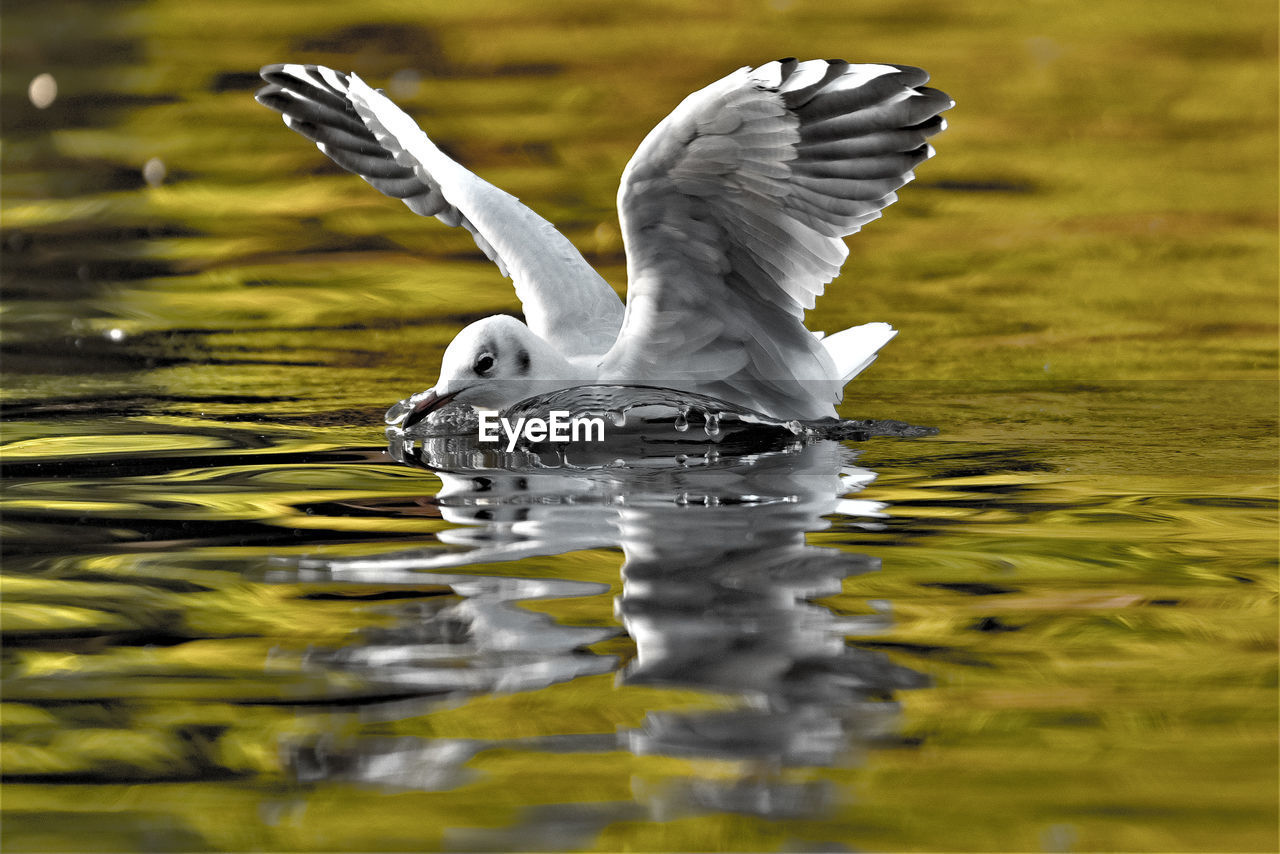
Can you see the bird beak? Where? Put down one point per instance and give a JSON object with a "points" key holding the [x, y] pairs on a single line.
{"points": [[429, 403]]}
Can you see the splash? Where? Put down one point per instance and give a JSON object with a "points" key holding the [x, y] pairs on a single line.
{"points": [[650, 410]]}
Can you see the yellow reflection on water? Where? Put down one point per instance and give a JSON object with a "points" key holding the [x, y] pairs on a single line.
{"points": [[1099, 625]]}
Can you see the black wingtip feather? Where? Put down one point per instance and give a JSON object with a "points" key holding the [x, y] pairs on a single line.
{"points": [[798, 98], [928, 127], [913, 76]]}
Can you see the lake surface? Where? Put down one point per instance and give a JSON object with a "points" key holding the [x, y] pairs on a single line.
{"points": [[236, 617]]}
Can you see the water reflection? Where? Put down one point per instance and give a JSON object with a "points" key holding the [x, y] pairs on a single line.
{"points": [[720, 593]]}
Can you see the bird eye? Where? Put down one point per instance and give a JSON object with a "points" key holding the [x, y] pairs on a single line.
{"points": [[484, 364]]}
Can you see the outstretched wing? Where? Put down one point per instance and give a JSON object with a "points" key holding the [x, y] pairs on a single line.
{"points": [[733, 211], [565, 301]]}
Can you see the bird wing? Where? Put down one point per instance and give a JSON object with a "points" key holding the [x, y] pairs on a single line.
{"points": [[565, 301], [733, 211]]}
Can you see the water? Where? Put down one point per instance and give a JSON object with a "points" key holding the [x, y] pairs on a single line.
{"points": [[238, 616]]}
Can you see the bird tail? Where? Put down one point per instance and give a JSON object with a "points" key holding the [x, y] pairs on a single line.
{"points": [[854, 349]]}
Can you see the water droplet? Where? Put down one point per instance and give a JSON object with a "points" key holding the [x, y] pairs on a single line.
{"points": [[397, 412], [682, 419], [619, 463], [43, 91], [682, 459], [618, 417], [682, 499], [712, 456], [153, 172], [713, 425]]}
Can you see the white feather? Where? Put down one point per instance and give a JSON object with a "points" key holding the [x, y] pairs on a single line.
{"points": [[733, 213], [853, 350]]}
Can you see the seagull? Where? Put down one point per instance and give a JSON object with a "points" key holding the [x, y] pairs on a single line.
{"points": [[733, 212]]}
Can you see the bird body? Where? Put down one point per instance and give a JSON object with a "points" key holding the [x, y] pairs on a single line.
{"points": [[733, 213]]}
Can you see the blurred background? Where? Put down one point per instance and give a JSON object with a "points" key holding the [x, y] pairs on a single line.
{"points": [[204, 319], [1102, 207]]}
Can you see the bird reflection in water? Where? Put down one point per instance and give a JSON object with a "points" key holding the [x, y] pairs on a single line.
{"points": [[719, 590]]}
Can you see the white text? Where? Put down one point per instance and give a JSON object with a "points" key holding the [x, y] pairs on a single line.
{"points": [[560, 427]]}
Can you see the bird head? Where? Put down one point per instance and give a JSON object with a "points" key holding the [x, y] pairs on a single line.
{"points": [[492, 364]]}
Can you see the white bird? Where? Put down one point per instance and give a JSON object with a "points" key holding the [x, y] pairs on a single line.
{"points": [[733, 213]]}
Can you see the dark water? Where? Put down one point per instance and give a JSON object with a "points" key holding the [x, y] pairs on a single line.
{"points": [[236, 618]]}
